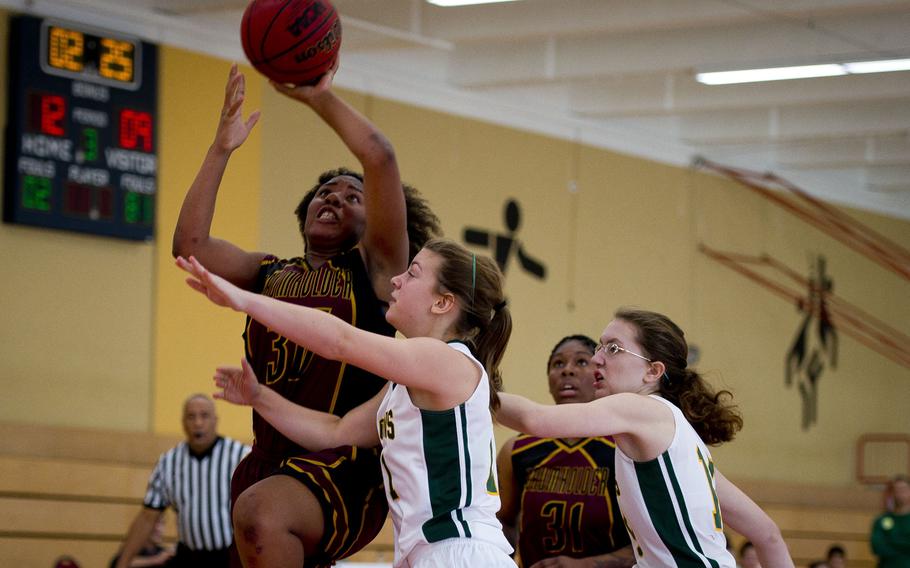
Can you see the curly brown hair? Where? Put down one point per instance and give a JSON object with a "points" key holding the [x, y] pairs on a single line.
{"points": [[710, 413], [423, 224]]}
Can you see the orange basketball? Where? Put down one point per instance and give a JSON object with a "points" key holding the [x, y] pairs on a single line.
{"points": [[291, 41]]}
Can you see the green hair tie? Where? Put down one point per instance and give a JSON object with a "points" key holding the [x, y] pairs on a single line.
{"points": [[473, 275]]}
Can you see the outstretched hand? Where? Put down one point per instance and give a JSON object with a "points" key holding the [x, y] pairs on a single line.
{"points": [[238, 384], [233, 130], [215, 288], [308, 93]]}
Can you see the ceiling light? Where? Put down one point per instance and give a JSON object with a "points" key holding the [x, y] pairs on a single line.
{"points": [[448, 3], [801, 71], [770, 74], [883, 66]]}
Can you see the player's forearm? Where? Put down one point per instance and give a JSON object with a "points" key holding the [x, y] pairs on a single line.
{"points": [[516, 412], [195, 220], [772, 551], [316, 330], [370, 146], [529, 417], [139, 532], [311, 429], [596, 418]]}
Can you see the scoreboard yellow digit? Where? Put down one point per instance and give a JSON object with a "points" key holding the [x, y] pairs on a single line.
{"points": [[89, 55], [116, 60], [66, 49]]}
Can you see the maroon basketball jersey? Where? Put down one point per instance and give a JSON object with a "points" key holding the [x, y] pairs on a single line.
{"points": [[568, 498], [340, 287]]}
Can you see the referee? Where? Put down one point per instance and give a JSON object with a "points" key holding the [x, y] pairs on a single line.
{"points": [[195, 479]]}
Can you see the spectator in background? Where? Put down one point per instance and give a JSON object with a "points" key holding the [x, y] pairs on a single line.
{"points": [[748, 557], [837, 557], [891, 531], [193, 478]]}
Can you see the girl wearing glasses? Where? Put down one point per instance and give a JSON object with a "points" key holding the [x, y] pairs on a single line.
{"points": [[662, 416], [433, 420]]}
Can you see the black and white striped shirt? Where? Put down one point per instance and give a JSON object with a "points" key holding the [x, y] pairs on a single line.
{"points": [[199, 490]]}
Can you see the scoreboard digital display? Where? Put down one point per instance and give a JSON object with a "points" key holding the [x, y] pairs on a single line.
{"points": [[81, 130], [78, 54]]}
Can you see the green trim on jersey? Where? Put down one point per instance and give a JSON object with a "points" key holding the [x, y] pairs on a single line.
{"points": [[708, 467], [463, 411], [681, 500], [441, 452], [659, 503], [492, 489]]}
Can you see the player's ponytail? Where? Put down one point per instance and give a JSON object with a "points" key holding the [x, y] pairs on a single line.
{"points": [[710, 413], [486, 322], [490, 346]]}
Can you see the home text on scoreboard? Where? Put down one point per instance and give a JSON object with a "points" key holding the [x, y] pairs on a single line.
{"points": [[81, 135]]}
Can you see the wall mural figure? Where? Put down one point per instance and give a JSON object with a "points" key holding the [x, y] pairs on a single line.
{"points": [[815, 345], [504, 244]]}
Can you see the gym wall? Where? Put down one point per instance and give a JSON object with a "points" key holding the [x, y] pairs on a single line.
{"points": [[104, 333]]}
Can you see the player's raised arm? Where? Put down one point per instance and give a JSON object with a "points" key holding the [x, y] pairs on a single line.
{"points": [[385, 240], [192, 236]]}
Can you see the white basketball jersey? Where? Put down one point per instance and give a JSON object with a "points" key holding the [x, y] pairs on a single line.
{"points": [[669, 504], [440, 469]]}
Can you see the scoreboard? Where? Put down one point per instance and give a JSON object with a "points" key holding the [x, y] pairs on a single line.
{"points": [[81, 134]]}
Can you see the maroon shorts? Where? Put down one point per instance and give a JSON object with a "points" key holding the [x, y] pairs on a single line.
{"points": [[347, 481]]}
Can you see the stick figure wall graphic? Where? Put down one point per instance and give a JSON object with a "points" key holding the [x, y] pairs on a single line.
{"points": [[503, 245], [814, 346]]}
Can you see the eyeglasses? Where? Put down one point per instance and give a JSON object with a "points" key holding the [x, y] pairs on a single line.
{"points": [[611, 349]]}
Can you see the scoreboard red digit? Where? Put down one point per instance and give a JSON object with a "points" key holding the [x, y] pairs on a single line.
{"points": [[81, 138]]}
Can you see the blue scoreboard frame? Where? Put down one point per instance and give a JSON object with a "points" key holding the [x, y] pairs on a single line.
{"points": [[81, 135]]}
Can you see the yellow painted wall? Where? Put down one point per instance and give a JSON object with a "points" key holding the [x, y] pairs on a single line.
{"points": [[611, 229], [75, 344]]}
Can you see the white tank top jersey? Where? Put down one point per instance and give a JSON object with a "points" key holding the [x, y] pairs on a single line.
{"points": [[669, 504], [440, 469]]}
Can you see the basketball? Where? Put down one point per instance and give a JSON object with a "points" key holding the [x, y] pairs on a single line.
{"points": [[291, 41]]}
